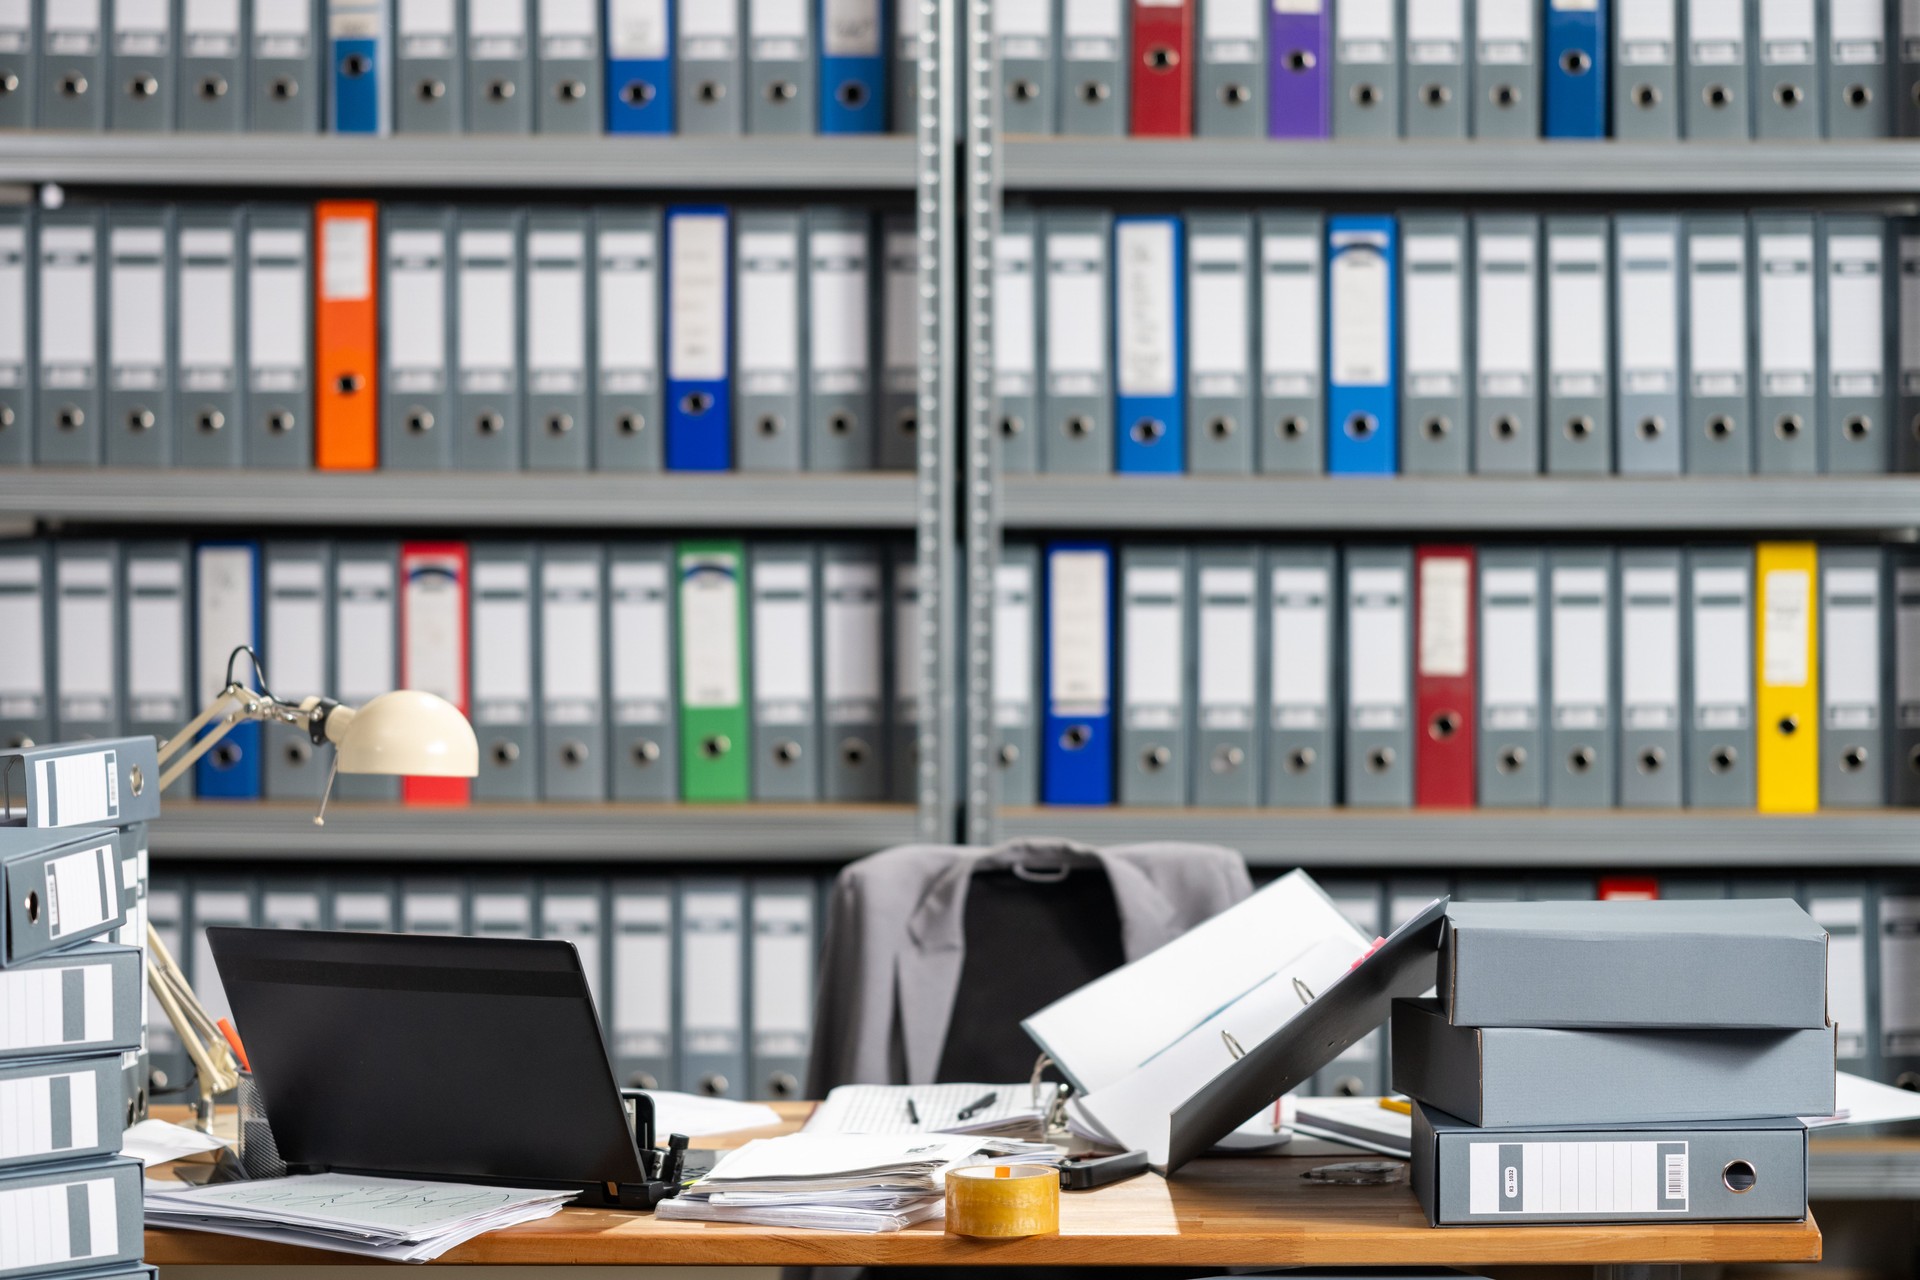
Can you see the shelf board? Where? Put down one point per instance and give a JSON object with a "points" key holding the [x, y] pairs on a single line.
{"points": [[1886, 167], [466, 500], [1600, 504], [1421, 840], [526, 835], [526, 163]]}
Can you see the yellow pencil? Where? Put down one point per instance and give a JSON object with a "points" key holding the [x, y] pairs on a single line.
{"points": [[1401, 1105]]}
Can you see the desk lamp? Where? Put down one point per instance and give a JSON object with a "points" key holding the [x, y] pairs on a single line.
{"points": [[405, 732]]}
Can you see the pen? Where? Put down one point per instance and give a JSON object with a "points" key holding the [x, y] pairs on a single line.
{"points": [[913, 1112], [978, 1105], [1401, 1105], [233, 1042]]}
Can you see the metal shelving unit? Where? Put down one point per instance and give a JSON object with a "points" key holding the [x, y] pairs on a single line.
{"points": [[1600, 504], [530, 163], [1473, 168], [467, 500]]}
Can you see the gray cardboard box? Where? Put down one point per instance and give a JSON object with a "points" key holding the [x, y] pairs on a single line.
{"points": [[1704, 1171], [1494, 1076], [1753, 962]]}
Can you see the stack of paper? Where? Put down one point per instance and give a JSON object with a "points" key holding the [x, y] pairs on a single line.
{"points": [[926, 1108], [394, 1219], [836, 1181]]}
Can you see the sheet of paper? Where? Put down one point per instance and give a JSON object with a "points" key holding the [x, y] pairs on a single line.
{"points": [[154, 1142]]}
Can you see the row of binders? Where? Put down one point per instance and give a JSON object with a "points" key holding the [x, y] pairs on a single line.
{"points": [[1642, 70], [374, 67], [704, 983], [696, 671], [1443, 343], [1782, 677], [422, 337]]}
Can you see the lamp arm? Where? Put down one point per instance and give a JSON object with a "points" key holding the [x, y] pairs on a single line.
{"points": [[205, 1045], [231, 706]]}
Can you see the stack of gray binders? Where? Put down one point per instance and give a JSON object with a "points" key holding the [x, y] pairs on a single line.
{"points": [[72, 1008], [1625, 1061]]}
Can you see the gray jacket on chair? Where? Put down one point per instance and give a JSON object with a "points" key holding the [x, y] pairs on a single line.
{"points": [[896, 940]]}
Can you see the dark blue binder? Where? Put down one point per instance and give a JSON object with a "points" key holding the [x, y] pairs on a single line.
{"points": [[358, 35], [1577, 66], [699, 400], [640, 74], [1363, 428], [1149, 328], [1077, 756], [853, 67]]}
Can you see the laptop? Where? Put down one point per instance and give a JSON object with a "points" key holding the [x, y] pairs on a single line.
{"points": [[460, 1059]]}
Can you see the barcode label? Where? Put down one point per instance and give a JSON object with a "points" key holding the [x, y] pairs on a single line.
{"points": [[1573, 1178]]}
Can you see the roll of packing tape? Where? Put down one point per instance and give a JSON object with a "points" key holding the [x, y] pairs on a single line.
{"points": [[1003, 1201]]}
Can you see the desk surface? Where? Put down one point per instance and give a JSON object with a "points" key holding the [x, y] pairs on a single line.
{"points": [[1215, 1213]]}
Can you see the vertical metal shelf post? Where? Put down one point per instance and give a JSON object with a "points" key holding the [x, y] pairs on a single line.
{"points": [[936, 801], [981, 464]]}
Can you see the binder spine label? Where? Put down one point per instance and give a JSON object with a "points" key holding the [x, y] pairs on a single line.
{"points": [[1570, 1178]]}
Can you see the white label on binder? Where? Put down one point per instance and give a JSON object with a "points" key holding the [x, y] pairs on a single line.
{"points": [[637, 30], [1510, 648], [347, 246], [426, 28], [226, 612], [81, 891], [1649, 647], [906, 640], [1013, 310], [1443, 603], [38, 1014], [1364, 29], [1076, 316], [710, 633], [1717, 312], [37, 1230], [1290, 351], [1432, 332], [488, 304], [66, 306], [1576, 315], [1786, 32], [1230, 30], [84, 630], [850, 675], [850, 28], [778, 28], [1787, 315], [783, 641], [1377, 647], [1145, 253], [1644, 32], [697, 343], [1219, 321], [1301, 647], [1362, 291], [23, 680], [136, 309], [1012, 645], [278, 345], [416, 310], [1722, 649], [769, 340], [13, 305], [1859, 31], [1855, 331], [1227, 654], [570, 641], [296, 623], [1716, 30], [1567, 1178], [1649, 293], [1579, 647], [156, 612], [502, 641], [710, 948], [364, 609], [206, 316], [435, 629], [1435, 31], [87, 784], [640, 678], [1505, 32], [1077, 612], [782, 972], [557, 312], [628, 306], [1788, 594], [1153, 659], [26, 1115], [642, 974], [1505, 311], [837, 303], [1850, 648]]}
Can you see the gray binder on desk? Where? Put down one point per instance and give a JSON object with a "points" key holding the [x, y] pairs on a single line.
{"points": [[640, 1018], [140, 420], [1077, 343], [1512, 663], [898, 422], [1714, 79], [1019, 339], [19, 65], [499, 70], [278, 385], [1583, 684], [1788, 84], [1506, 69], [1651, 639], [1222, 331], [1093, 70], [1023, 31], [1155, 750], [1437, 83], [103, 782], [644, 757], [428, 92], [504, 642], [1016, 649], [213, 63], [1719, 401], [711, 967], [299, 654], [782, 86], [1860, 103], [77, 868], [1378, 746], [18, 312], [154, 604], [488, 297], [1855, 253], [73, 66], [784, 945], [709, 73], [1366, 69], [784, 622], [1301, 591], [1720, 676], [572, 96], [417, 343], [140, 85], [209, 322], [1506, 295], [559, 323], [1646, 277], [1292, 344], [1231, 88], [572, 629], [1786, 316], [626, 328], [86, 640], [1855, 627], [770, 340], [67, 337], [1436, 438], [1646, 80], [1228, 642], [285, 82], [366, 628], [1579, 422], [853, 649], [840, 348]]}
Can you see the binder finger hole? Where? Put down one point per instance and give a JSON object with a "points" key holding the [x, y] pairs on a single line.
{"points": [[644, 1080], [559, 424], [1075, 737], [1739, 1177], [782, 91], [1435, 428], [504, 754], [73, 86], [631, 424], [1443, 726], [1650, 428], [841, 424], [72, 417], [1094, 92], [1154, 759], [1302, 60], [1236, 95], [1511, 760], [696, 402], [1227, 759], [1161, 58], [489, 424], [1858, 426], [714, 1086], [298, 753], [1023, 91], [644, 752], [1913, 759], [1506, 427], [1651, 759], [348, 384], [1366, 95], [1011, 426], [908, 424], [285, 89], [574, 754], [1436, 95], [636, 93], [210, 420], [1788, 726], [1575, 62], [1579, 427], [1580, 759], [355, 65], [716, 745], [570, 91], [213, 88], [1361, 425], [1646, 97], [1720, 427], [1853, 759], [1291, 427], [143, 87], [420, 422], [1148, 430], [500, 90], [225, 756], [852, 94], [787, 753], [140, 420], [710, 91], [1380, 759], [1789, 95], [1859, 95], [430, 90], [1301, 759], [1722, 759], [1717, 96], [783, 1085], [1009, 755], [137, 780], [280, 422], [32, 905], [9, 83], [768, 424], [1220, 428], [855, 752], [1787, 426], [1505, 95], [6, 416]]}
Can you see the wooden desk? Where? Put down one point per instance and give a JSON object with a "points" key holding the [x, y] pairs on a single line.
{"points": [[1215, 1213]]}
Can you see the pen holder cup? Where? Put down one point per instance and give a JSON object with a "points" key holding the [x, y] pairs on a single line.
{"points": [[259, 1154]]}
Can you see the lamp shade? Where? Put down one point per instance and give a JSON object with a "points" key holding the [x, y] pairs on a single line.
{"points": [[412, 733]]}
